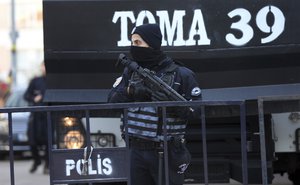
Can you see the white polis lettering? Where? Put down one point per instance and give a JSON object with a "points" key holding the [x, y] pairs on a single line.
{"points": [[103, 167], [91, 170], [107, 164], [79, 165], [165, 25], [70, 165], [107, 168]]}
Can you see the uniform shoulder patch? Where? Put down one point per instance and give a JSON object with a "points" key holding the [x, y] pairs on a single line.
{"points": [[117, 82], [196, 91]]}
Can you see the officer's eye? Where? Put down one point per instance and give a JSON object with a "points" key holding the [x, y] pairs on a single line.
{"points": [[136, 42]]}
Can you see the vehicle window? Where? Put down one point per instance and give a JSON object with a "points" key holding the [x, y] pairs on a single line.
{"points": [[16, 100]]}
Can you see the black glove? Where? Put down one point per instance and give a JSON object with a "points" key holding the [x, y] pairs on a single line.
{"points": [[139, 92], [159, 96]]}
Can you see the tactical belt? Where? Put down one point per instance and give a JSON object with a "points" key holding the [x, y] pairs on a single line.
{"points": [[144, 144]]}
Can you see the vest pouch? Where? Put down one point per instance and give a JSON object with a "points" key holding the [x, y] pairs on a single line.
{"points": [[139, 91]]}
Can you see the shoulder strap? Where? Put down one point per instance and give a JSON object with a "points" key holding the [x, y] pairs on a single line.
{"points": [[172, 67]]}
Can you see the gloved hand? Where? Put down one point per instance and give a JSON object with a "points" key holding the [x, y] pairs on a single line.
{"points": [[138, 91], [182, 112], [159, 96]]}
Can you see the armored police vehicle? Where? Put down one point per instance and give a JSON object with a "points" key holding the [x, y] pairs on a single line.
{"points": [[239, 50]]}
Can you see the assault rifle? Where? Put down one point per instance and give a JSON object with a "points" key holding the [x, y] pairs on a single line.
{"points": [[151, 78]]}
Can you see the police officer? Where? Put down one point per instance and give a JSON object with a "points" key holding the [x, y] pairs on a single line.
{"points": [[37, 130], [144, 123]]}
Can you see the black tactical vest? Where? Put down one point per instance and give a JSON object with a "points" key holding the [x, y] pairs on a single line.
{"points": [[146, 122]]}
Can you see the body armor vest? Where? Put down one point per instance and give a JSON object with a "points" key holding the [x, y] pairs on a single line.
{"points": [[146, 122]]}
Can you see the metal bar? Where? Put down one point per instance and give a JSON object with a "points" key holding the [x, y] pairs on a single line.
{"points": [[88, 131], [166, 156], [280, 98], [125, 124], [95, 181], [49, 127], [160, 167], [125, 106], [244, 143], [262, 142], [204, 144], [117, 106], [66, 150], [11, 150]]}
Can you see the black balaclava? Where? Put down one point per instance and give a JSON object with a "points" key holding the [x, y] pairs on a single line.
{"points": [[152, 55]]}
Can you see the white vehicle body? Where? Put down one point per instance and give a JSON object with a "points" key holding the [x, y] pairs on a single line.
{"points": [[285, 129], [101, 130]]}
